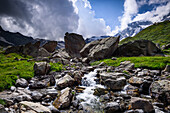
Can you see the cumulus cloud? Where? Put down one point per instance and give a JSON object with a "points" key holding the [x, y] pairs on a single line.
{"points": [[39, 18], [89, 25], [130, 9], [154, 15]]}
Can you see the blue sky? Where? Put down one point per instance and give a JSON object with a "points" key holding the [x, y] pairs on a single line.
{"points": [[109, 10], [51, 19]]}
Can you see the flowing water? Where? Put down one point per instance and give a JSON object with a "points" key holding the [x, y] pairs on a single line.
{"points": [[88, 99]]}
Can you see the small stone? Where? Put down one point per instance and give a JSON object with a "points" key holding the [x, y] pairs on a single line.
{"points": [[13, 88], [36, 95], [21, 82]]}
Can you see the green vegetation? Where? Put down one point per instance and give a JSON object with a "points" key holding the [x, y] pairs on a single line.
{"points": [[2, 102], [56, 67], [158, 33], [143, 62], [166, 51], [11, 68]]}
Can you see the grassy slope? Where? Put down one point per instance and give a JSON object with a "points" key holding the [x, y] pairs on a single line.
{"points": [[143, 62], [11, 69], [158, 33]]}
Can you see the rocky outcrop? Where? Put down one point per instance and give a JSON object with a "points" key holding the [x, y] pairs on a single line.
{"points": [[100, 49], [138, 48], [43, 53], [73, 44], [139, 103], [31, 107], [64, 100], [50, 46], [41, 68]]}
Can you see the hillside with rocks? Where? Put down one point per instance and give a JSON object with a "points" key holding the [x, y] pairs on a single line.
{"points": [[97, 77]]}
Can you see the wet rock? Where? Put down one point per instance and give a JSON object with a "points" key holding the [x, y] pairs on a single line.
{"points": [[2, 109], [77, 75], [13, 88], [64, 100], [100, 49], [50, 46], [36, 95], [112, 107], [161, 91], [41, 68], [132, 90], [36, 107], [73, 44], [117, 84], [139, 103], [136, 80], [38, 85], [65, 81], [21, 82], [53, 109], [100, 91]]}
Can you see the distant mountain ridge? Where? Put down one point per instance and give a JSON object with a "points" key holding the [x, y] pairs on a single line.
{"points": [[157, 33], [14, 39]]}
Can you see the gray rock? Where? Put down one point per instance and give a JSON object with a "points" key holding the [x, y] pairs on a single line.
{"points": [[36, 107], [100, 49], [65, 81], [117, 84], [43, 53], [13, 88], [41, 68], [50, 46], [73, 44], [126, 65], [167, 68], [21, 82], [53, 109], [139, 103], [64, 100], [36, 95], [138, 48], [136, 80], [2, 109], [77, 75], [161, 91], [112, 107]]}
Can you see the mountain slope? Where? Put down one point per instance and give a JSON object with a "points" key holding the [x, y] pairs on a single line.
{"points": [[158, 33]]}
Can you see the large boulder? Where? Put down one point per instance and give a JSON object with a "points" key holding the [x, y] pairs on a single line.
{"points": [[43, 53], [161, 91], [31, 107], [117, 84], [65, 81], [100, 49], [139, 103], [41, 68], [64, 100], [73, 44], [138, 48], [50, 46], [112, 107]]}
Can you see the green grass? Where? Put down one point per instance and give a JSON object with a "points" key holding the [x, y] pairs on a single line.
{"points": [[158, 33], [56, 67], [140, 62], [2, 102], [166, 51], [11, 69]]}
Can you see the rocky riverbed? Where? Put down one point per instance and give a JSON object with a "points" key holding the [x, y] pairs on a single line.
{"points": [[81, 88]]}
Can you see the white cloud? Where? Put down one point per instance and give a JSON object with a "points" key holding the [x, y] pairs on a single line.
{"points": [[130, 9], [89, 25], [154, 15]]}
